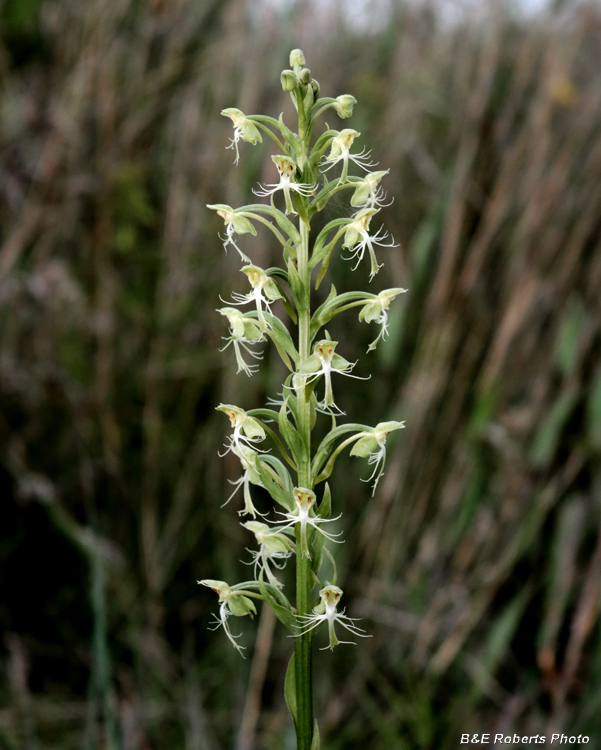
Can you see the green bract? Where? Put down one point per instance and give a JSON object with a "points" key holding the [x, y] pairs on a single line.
{"points": [[287, 465]]}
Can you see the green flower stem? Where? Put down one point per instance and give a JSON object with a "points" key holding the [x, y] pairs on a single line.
{"points": [[304, 579]]}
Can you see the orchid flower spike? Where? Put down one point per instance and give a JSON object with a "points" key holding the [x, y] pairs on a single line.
{"points": [[372, 445], [248, 458], [234, 224], [325, 611], [324, 361], [304, 501], [244, 129], [246, 429], [369, 193], [273, 547], [340, 150], [357, 238], [244, 332], [264, 292], [286, 167], [232, 603], [376, 310]]}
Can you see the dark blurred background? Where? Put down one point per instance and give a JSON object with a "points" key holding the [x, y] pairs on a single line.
{"points": [[477, 565]]}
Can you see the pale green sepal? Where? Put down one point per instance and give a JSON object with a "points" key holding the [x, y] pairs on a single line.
{"points": [[248, 130], [241, 605], [364, 446]]}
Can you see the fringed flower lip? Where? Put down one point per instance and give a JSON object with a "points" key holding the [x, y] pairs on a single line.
{"points": [[376, 310], [340, 151], [247, 429], [286, 168], [326, 611], [324, 361], [372, 445], [357, 239], [369, 193], [273, 548], [304, 500], [244, 129], [244, 333], [264, 293], [234, 224], [248, 458], [232, 602]]}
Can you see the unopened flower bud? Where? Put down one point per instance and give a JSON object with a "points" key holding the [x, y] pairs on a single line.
{"points": [[297, 58], [289, 80], [304, 76], [344, 105]]}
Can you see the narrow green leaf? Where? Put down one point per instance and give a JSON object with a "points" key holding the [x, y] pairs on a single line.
{"points": [[296, 286], [290, 435], [593, 411], [275, 490], [315, 743], [282, 472], [280, 336], [290, 689], [287, 304], [325, 507], [284, 614], [570, 336], [547, 438], [326, 447], [334, 568]]}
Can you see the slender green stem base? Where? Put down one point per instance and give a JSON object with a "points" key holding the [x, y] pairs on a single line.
{"points": [[304, 578], [302, 656]]}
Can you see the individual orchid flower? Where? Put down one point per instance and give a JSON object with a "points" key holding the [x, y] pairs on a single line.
{"points": [[244, 129], [264, 292], [244, 331], [248, 458], [372, 445], [234, 224], [247, 429], [273, 547], [357, 238], [340, 150], [324, 361], [286, 167], [369, 193], [232, 602], [304, 501], [376, 310], [325, 611]]}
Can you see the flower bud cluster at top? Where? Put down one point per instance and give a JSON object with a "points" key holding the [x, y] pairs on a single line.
{"points": [[273, 443]]}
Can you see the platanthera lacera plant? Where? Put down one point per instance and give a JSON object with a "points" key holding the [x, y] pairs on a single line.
{"points": [[274, 444]]}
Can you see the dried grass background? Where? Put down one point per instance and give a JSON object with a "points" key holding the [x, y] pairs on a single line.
{"points": [[477, 566]]}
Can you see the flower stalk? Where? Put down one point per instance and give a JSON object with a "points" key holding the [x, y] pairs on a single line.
{"points": [[299, 528]]}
